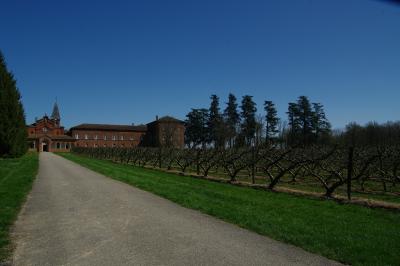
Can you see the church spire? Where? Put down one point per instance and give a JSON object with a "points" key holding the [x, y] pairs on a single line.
{"points": [[56, 113]]}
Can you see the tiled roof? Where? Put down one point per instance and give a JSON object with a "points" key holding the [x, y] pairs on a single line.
{"points": [[110, 127], [167, 119]]}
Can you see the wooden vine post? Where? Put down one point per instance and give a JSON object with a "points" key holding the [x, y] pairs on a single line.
{"points": [[349, 171]]}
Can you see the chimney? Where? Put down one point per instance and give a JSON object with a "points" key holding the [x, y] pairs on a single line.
{"points": [[156, 117]]}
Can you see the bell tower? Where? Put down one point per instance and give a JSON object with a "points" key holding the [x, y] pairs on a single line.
{"points": [[55, 115]]}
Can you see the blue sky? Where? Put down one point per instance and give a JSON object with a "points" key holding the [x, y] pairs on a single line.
{"points": [[128, 61]]}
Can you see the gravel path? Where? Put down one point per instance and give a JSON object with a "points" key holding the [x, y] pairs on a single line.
{"points": [[75, 216]]}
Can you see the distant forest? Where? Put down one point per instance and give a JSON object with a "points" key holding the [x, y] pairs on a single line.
{"points": [[306, 124]]}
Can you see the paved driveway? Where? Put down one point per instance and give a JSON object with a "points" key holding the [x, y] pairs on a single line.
{"points": [[75, 216]]}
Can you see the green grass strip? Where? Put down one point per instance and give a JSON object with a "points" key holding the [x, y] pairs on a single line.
{"points": [[351, 234], [16, 178]]}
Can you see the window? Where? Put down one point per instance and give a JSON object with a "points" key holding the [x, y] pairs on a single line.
{"points": [[44, 129], [121, 138], [76, 136], [113, 138], [95, 145], [105, 137], [104, 145], [67, 146], [95, 137], [58, 145], [131, 138], [113, 144], [86, 136]]}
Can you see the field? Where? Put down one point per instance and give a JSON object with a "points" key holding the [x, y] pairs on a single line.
{"points": [[321, 171], [16, 178], [373, 190], [351, 234]]}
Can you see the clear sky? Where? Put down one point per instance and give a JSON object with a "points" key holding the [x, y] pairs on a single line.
{"points": [[128, 61]]}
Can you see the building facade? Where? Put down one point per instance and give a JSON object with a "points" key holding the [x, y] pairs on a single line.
{"points": [[102, 135], [166, 132], [46, 134]]}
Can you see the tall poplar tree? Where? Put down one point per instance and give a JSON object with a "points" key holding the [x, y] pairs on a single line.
{"points": [[232, 119], [293, 122], [248, 115], [271, 120], [13, 134], [216, 123], [305, 117], [320, 124]]}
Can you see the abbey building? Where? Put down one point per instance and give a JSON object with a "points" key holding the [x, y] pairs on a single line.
{"points": [[47, 134]]}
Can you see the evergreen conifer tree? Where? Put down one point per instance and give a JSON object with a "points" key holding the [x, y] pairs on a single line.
{"points": [[13, 134], [320, 124], [248, 115], [197, 131], [294, 123], [305, 116], [271, 120], [232, 119], [215, 123]]}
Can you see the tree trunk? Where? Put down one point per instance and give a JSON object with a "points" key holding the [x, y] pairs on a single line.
{"points": [[198, 162]]}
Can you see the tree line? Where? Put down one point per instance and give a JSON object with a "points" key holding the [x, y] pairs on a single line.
{"points": [[371, 134], [13, 134], [306, 124], [238, 126]]}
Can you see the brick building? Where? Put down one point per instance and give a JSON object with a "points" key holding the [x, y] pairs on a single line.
{"points": [[103, 135], [166, 131], [46, 134]]}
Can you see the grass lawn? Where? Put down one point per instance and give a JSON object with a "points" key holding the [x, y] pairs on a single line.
{"points": [[347, 233], [16, 177], [310, 184], [342, 192]]}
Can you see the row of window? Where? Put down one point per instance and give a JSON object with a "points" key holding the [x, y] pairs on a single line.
{"points": [[45, 130], [54, 145], [96, 137], [60, 145], [105, 145], [66, 145]]}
